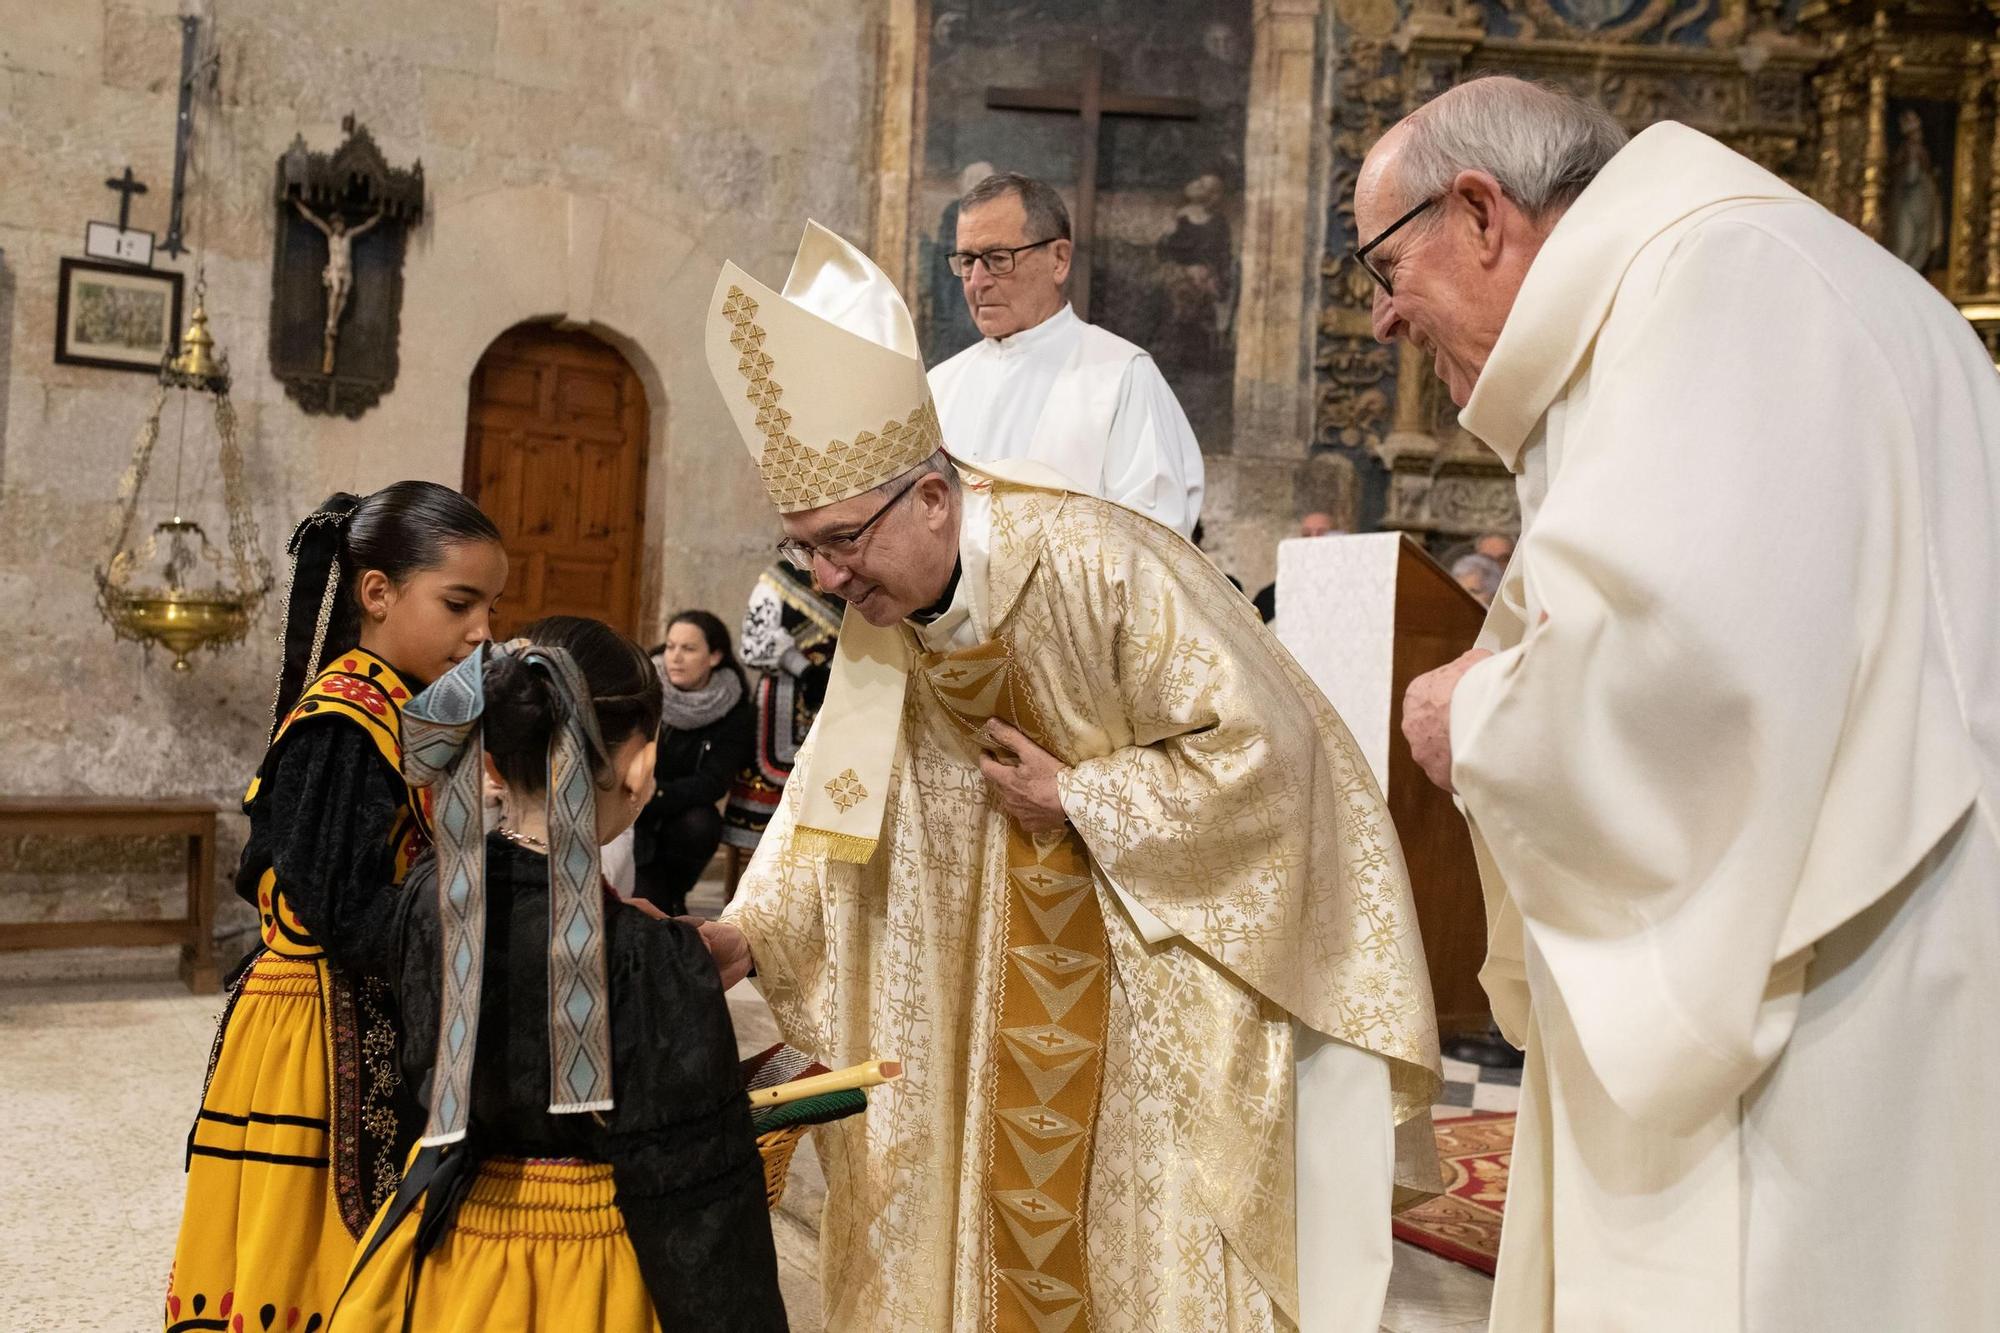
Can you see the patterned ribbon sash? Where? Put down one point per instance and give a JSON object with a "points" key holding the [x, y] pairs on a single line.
{"points": [[1054, 996], [442, 746]]}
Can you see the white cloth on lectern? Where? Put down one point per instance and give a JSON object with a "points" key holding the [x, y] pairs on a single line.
{"points": [[1336, 603]]}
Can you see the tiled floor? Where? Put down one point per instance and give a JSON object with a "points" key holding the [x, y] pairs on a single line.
{"points": [[1469, 1088], [103, 1055]]}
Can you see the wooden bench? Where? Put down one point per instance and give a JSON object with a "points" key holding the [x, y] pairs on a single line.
{"points": [[126, 817]]}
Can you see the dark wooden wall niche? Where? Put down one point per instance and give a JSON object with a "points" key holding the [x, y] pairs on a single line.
{"points": [[337, 272]]}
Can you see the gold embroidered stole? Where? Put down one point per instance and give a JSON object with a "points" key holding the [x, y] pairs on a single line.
{"points": [[1042, 1119]]}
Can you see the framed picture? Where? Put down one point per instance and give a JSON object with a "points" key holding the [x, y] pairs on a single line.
{"points": [[115, 316]]}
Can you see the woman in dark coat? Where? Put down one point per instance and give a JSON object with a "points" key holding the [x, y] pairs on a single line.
{"points": [[708, 731]]}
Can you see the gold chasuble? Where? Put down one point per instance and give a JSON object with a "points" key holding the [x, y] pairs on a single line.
{"points": [[1093, 1130], [1098, 1125]]}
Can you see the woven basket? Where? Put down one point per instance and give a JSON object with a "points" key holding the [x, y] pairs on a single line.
{"points": [[776, 1148]]}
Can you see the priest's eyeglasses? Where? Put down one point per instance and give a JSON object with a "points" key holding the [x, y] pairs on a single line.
{"points": [[1361, 255], [998, 262], [837, 550]]}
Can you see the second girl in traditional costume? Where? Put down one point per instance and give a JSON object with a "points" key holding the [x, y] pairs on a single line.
{"points": [[305, 1117], [589, 1161]]}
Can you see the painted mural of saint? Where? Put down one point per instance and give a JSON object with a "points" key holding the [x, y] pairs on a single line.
{"points": [[1198, 275]]}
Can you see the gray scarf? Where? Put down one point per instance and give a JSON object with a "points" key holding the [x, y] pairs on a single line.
{"points": [[689, 710]]}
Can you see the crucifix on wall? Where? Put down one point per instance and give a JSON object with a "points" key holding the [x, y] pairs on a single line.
{"points": [[343, 222], [1091, 102]]}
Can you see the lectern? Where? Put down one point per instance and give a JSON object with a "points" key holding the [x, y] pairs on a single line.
{"points": [[1364, 615]]}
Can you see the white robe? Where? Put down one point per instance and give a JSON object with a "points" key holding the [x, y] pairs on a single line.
{"points": [[1083, 401], [1734, 773]]}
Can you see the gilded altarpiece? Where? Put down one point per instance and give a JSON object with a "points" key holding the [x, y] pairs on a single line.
{"points": [[1907, 105], [1884, 112]]}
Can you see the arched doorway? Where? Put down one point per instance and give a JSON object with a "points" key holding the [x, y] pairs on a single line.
{"points": [[555, 453]]}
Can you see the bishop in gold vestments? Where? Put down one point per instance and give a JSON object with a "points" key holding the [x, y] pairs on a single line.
{"points": [[1170, 1054]]}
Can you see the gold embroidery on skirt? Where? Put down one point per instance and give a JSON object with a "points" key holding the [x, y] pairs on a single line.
{"points": [[1054, 996]]}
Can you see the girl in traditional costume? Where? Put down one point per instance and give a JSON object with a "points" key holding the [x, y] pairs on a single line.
{"points": [[305, 1118], [589, 1161]]}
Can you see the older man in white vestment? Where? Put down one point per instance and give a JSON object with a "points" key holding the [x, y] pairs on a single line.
{"points": [[1075, 840], [1041, 384], [1730, 746]]}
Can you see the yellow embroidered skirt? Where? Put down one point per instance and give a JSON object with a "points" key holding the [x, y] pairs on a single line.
{"points": [[261, 1233], [538, 1246]]}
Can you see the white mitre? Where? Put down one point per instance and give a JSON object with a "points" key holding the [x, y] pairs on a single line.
{"points": [[826, 385], [824, 380]]}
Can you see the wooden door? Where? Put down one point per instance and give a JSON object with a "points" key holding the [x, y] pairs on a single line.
{"points": [[555, 453]]}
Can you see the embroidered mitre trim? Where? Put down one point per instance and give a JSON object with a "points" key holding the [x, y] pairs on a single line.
{"points": [[798, 476]]}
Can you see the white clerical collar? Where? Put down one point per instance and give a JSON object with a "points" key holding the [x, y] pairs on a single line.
{"points": [[1041, 335]]}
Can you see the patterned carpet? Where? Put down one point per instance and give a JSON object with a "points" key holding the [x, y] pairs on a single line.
{"points": [[1463, 1223]]}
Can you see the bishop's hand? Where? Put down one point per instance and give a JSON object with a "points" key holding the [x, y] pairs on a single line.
{"points": [[1427, 715], [1023, 779]]}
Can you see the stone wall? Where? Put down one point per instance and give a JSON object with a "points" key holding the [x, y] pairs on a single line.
{"points": [[587, 161]]}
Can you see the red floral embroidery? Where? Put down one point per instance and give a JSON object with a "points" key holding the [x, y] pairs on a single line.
{"points": [[356, 691]]}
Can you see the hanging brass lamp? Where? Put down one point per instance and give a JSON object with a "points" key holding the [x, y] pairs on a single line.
{"points": [[176, 588]]}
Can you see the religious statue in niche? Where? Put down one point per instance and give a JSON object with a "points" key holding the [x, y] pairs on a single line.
{"points": [[1916, 199], [337, 272]]}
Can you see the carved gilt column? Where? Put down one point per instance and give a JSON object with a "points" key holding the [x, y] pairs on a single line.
{"points": [[1875, 157], [1961, 278], [1832, 129], [1993, 186]]}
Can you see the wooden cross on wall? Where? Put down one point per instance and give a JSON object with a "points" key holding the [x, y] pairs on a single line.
{"points": [[1092, 103]]}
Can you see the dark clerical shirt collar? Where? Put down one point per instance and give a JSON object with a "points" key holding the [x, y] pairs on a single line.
{"points": [[943, 604]]}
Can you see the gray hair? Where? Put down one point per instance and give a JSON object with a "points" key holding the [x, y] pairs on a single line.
{"points": [[1048, 218], [1484, 567], [1541, 144], [939, 462]]}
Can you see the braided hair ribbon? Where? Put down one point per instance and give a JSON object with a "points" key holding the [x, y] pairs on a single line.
{"points": [[315, 558], [444, 747]]}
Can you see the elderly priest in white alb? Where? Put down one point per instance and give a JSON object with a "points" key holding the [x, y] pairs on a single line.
{"points": [[1731, 746], [1077, 841], [1042, 384]]}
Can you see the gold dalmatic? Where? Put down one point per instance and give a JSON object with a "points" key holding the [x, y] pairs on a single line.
{"points": [[1054, 996]]}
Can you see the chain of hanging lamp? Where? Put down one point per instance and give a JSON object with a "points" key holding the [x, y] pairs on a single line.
{"points": [[174, 611]]}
